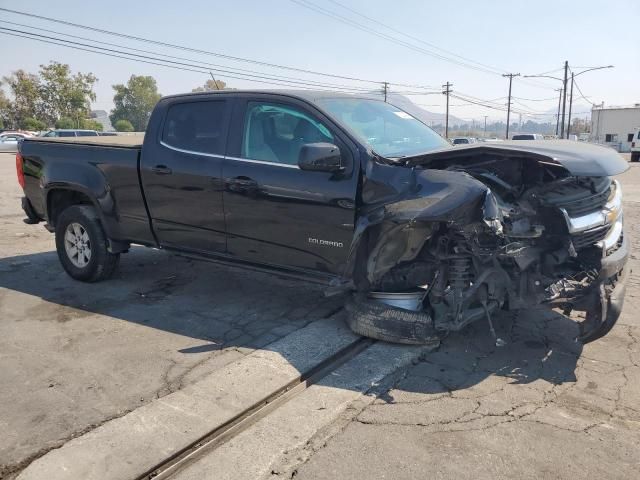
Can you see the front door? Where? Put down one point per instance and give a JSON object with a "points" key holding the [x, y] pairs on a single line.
{"points": [[182, 175], [276, 213]]}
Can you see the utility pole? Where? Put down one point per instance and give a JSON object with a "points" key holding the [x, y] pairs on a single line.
{"points": [[564, 97], [570, 104], [485, 126], [558, 115], [447, 90], [510, 75], [386, 88]]}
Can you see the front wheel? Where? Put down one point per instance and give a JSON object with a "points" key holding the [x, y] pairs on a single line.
{"points": [[82, 245]]}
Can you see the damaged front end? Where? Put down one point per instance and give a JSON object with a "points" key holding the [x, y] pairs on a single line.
{"points": [[458, 238]]}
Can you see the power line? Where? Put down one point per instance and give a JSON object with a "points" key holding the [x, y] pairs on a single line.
{"points": [[535, 99], [323, 11], [282, 81], [230, 69], [199, 51], [582, 95], [404, 34], [149, 60]]}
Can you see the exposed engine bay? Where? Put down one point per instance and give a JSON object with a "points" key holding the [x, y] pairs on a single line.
{"points": [[481, 232]]}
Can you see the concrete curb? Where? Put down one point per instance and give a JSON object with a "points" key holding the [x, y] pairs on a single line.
{"points": [[129, 446], [281, 440]]}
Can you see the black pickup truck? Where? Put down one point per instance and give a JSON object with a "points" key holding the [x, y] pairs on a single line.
{"points": [[350, 191]]}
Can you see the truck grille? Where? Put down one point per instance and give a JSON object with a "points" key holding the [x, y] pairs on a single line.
{"points": [[586, 205], [589, 237], [578, 198]]}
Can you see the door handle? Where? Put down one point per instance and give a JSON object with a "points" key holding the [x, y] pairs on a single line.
{"points": [[243, 181], [161, 170]]}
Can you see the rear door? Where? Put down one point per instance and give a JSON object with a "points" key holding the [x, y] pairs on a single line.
{"points": [[181, 171], [276, 213]]}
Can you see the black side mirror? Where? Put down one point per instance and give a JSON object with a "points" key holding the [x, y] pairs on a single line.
{"points": [[320, 157]]}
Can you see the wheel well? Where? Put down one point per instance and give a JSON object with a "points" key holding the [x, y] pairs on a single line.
{"points": [[59, 200]]}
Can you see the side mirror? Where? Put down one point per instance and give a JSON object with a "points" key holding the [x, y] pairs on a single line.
{"points": [[320, 157]]}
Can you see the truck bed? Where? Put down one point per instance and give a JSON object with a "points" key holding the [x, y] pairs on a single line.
{"points": [[123, 141]]}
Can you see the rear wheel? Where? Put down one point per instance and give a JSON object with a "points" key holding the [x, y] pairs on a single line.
{"points": [[635, 156], [82, 245]]}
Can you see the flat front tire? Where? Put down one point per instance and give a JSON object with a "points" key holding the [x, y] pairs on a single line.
{"points": [[82, 245], [373, 319]]}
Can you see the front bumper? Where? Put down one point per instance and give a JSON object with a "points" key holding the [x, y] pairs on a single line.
{"points": [[606, 297]]}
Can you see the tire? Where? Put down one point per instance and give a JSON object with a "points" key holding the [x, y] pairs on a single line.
{"points": [[635, 156], [79, 226], [373, 319]]}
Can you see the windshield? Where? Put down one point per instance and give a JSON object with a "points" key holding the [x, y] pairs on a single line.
{"points": [[389, 131]]}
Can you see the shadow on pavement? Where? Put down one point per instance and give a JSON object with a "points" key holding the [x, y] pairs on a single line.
{"points": [[225, 306]]}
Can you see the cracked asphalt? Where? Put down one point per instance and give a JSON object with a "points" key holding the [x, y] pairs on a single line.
{"points": [[540, 407]]}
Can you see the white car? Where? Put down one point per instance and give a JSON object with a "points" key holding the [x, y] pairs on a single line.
{"points": [[635, 147], [463, 140], [9, 140]]}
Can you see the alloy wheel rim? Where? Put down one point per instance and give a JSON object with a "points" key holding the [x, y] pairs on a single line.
{"points": [[77, 244]]}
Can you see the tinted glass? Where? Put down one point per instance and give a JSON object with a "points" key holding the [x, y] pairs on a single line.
{"points": [[196, 126], [389, 131], [87, 134], [523, 137], [458, 141], [66, 134], [276, 133]]}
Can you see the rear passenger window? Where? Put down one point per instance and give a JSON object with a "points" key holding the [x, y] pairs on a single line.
{"points": [[87, 134], [66, 134], [197, 127]]}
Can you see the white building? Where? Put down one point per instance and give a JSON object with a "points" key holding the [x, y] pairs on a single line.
{"points": [[615, 126]]}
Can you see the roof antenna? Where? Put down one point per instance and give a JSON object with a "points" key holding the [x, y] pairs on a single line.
{"points": [[215, 82]]}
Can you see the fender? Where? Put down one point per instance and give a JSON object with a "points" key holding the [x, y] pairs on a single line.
{"points": [[66, 170], [405, 210]]}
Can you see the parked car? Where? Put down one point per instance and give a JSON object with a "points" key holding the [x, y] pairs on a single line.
{"points": [[67, 132], [9, 140], [463, 140], [527, 136], [107, 134], [635, 147], [351, 192]]}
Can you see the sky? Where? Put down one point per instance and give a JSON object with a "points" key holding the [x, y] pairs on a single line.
{"points": [[479, 40]]}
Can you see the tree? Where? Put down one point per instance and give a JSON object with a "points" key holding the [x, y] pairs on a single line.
{"points": [[33, 124], [25, 89], [64, 94], [89, 124], [5, 109], [123, 126], [135, 101], [65, 122], [211, 85], [48, 96]]}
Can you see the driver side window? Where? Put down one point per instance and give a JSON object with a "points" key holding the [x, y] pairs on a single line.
{"points": [[276, 133]]}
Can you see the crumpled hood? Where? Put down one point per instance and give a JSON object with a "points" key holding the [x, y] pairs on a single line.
{"points": [[580, 159]]}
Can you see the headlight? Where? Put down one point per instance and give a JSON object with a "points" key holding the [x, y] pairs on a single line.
{"points": [[613, 207]]}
